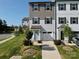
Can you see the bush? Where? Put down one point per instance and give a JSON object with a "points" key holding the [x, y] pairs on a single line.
{"points": [[57, 42], [39, 41], [27, 42], [29, 34]]}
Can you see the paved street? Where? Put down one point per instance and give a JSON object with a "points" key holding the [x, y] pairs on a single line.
{"points": [[4, 36], [12, 36]]}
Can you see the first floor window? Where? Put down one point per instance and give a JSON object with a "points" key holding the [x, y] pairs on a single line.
{"points": [[62, 20], [48, 20], [36, 21], [74, 20]]}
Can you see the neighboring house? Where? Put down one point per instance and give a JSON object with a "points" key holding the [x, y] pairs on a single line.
{"points": [[25, 21], [42, 20], [67, 12]]}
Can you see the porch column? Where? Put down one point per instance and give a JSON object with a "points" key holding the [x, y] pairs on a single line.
{"points": [[58, 34]]}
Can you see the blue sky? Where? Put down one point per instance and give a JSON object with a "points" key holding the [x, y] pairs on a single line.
{"points": [[14, 10]]}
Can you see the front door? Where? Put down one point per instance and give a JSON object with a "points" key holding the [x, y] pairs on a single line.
{"points": [[36, 35], [62, 35]]}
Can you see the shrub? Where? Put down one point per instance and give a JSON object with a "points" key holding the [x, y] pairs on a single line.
{"points": [[27, 42], [39, 41], [57, 42], [29, 34], [67, 31]]}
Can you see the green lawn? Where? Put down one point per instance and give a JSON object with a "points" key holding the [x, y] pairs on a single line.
{"points": [[68, 52], [13, 47]]}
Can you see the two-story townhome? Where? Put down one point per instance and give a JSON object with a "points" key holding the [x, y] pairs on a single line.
{"points": [[67, 12], [42, 20]]}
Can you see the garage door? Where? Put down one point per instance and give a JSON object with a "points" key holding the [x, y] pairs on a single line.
{"points": [[47, 35]]}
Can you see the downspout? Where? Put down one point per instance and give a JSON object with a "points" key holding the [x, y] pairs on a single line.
{"points": [[55, 23]]}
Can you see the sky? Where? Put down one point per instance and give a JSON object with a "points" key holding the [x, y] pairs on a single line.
{"points": [[13, 11]]}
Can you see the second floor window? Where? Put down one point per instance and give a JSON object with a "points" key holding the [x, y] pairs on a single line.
{"points": [[62, 20], [36, 20], [36, 7], [61, 6], [48, 20], [74, 20], [48, 6], [73, 6]]}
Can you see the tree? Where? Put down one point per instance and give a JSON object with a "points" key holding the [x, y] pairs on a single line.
{"points": [[1, 26], [12, 28], [28, 36], [20, 30], [5, 26], [67, 32]]}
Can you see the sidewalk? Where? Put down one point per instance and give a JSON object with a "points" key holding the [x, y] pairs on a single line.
{"points": [[49, 50], [7, 39]]}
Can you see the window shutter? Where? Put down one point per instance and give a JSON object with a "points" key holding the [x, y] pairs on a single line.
{"points": [[38, 20]]}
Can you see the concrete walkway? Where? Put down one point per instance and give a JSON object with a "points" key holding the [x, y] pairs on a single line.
{"points": [[49, 50], [7, 39]]}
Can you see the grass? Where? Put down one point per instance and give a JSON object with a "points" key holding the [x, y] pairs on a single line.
{"points": [[13, 47], [68, 52]]}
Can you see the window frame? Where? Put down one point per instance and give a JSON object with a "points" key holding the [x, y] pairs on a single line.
{"points": [[35, 7], [35, 20], [62, 7], [48, 7], [50, 20], [73, 20], [73, 6], [61, 21]]}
